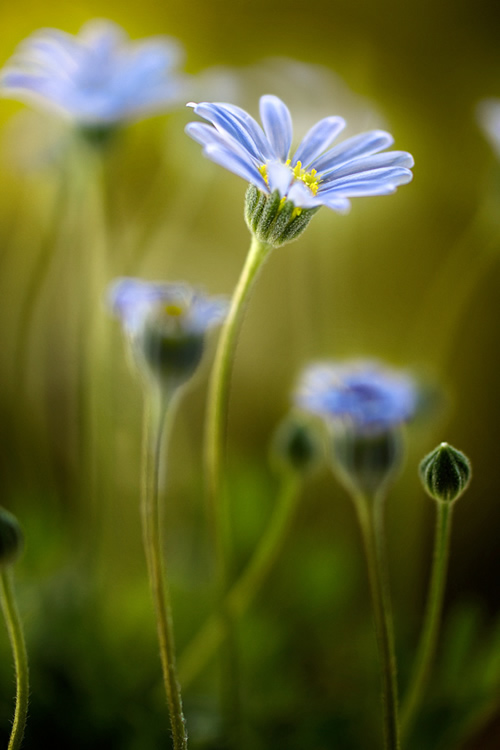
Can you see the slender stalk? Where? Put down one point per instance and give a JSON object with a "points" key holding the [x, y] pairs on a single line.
{"points": [[157, 415], [36, 280], [217, 409], [245, 589], [16, 636], [218, 398], [430, 629], [370, 517]]}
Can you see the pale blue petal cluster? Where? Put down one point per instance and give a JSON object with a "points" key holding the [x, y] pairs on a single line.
{"points": [[263, 156], [96, 78], [367, 396], [134, 301]]}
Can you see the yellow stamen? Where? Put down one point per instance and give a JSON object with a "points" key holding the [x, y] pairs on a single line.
{"points": [[175, 311], [263, 171], [310, 179]]}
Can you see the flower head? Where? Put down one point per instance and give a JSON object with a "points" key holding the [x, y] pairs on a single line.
{"points": [[165, 325], [366, 404], [98, 78], [367, 397], [311, 176]]}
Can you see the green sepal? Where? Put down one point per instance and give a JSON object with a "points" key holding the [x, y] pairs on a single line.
{"points": [[272, 220]]}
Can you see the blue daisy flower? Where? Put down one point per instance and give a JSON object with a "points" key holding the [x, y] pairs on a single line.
{"points": [[313, 175], [96, 78], [165, 324], [367, 397]]}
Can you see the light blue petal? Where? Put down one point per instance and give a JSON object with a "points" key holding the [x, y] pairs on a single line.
{"points": [[302, 197], [277, 123], [376, 182], [317, 139], [336, 203], [364, 144], [49, 50], [225, 120], [369, 163], [207, 135], [254, 130], [236, 164], [207, 312], [280, 176]]}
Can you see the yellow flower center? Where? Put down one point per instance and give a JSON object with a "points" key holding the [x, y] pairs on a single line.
{"points": [[310, 179], [173, 310]]}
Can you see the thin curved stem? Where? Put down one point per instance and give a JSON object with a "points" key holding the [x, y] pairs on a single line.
{"points": [[246, 588], [218, 399], [217, 409], [16, 636], [370, 517], [430, 629], [156, 415]]}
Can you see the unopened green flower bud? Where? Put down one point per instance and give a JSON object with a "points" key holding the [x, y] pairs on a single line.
{"points": [[171, 351], [273, 219], [11, 538], [367, 463], [445, 473], [295, 445]]}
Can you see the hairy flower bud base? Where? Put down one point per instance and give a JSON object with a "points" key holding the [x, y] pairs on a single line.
{"points": [[273, 219]]}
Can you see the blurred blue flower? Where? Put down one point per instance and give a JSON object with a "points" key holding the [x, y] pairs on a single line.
{"points": [[367, 397], [134, 300], [315, 175], [165, 324], [97, 78], [488, 116]]}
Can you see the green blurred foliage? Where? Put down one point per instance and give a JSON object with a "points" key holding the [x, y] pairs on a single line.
{"points": [[411, 278]]}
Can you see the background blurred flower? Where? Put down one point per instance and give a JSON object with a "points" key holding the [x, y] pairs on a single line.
{"points": [[166, 324], [488, 116], [97, 78], [369, 397], [313, 176]]}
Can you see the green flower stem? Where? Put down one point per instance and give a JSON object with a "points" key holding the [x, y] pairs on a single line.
{"points": [[15, 629], [244, 590], [36, 280], [217, 410], [218, 399], [430, 629], [158, 418], [370, 516], [95, 436]]}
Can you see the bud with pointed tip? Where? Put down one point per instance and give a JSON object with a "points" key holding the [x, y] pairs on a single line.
{"points": [[445, 473]]}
